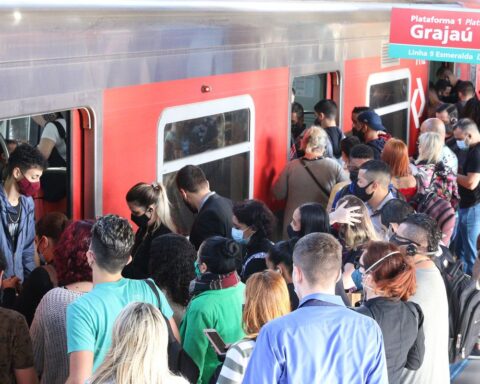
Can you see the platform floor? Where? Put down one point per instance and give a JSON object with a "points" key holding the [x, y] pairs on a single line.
{"points": [[470, 373]]}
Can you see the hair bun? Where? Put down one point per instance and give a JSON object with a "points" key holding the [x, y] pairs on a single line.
{"points": [[155, 186], [231, 248]]}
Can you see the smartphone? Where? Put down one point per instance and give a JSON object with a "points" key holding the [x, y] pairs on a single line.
{"points": [[217, 342]]}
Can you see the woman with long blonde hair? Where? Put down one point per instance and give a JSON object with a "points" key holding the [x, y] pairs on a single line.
{"points": [[266, 298], [138, 354], [150, 211]]}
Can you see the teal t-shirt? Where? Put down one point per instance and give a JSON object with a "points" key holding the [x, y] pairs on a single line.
{"points": [[90, 318]]}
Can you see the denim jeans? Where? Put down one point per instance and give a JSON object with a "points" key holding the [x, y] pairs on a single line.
{"points": [[467, 233]]}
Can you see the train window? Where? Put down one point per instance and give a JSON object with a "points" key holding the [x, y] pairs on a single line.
{"points": [[388, 94], [42, 131], [215, 135]]}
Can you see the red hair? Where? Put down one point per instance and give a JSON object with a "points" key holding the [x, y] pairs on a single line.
{"points": [[395, 154], [394, 276], [70, 254]]}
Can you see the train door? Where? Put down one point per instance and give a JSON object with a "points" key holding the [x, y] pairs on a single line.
{"points": [[62, 132]]}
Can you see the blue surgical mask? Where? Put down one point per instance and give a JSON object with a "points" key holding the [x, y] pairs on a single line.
{"points": [[198, 273], [461, 144], [237, 235]]}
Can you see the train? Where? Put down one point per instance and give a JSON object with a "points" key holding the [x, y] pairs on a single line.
{"points": [[150, 86]]}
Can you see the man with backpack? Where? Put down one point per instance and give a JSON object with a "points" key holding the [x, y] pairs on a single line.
{"points": [[468, 179], [419, 237]]}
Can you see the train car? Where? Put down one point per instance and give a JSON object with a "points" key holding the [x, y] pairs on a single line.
{"points": [[147, 87]]}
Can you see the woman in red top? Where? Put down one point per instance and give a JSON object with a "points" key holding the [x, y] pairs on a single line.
{"points": [[395, 154]]}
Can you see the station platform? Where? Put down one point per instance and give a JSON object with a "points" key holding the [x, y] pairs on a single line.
{"points": [[467, 373]]}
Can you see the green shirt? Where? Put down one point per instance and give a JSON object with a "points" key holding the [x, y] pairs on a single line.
{"points": [[90, 318], [219, 309]]}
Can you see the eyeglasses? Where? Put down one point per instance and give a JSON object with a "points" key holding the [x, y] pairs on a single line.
{"points": [[400, 240]]}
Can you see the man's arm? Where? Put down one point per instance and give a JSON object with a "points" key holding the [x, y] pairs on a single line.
{"points": [[470, 181], [81, 367], [45, 146], [378, 365], [264, 365], [173, 324], [26, 376]]}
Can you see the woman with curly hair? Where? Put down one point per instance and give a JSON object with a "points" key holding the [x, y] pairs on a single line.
{"points": [[389, 280], [252, 228], [48, 330], [171, 267]]}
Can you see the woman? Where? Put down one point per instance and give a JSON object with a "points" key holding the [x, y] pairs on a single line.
{"points": [[280, 259], [266, 298], [150, 211], [395, 154], [138, 353], [310, 178], [252, 226], [218, 296], [312, 217], [48, 330], [171, 267], [353, 239], [434, 175], [389, 280]]}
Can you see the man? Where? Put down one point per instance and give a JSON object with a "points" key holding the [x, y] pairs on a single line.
{"points": [[322, 341], [355, 112], [448, 158], [214, 216], [394, 212], [16, 355], [371, 132], [419, 237], [466, 91], [443, 89], [326, 115], [448, 113], [373, 188], [296, 129], [359, 155], [91, 317], [11, 146], [447, 74], [17, 232], [468, 178]]}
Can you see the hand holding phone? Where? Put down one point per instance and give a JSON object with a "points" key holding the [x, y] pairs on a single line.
{"points": [[217, 342]]}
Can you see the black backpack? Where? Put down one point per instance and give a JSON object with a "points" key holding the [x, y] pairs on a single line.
{"points": [[464, 311], [179, 362]]}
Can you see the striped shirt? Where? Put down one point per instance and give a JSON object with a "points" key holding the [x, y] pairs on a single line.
{"points": [[236, 361]]}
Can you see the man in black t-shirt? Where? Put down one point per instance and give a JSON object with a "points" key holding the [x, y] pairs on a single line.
{"points": [[326, 115], [468, 180]]}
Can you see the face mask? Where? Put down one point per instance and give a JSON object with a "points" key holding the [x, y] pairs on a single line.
{"points": [[354, 176], [198, 273], [140, 221], [359, 134], [27, 187], [361, 192], [291, 232], [461, 144], [237, 235]]}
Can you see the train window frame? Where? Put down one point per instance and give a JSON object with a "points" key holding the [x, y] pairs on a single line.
{"points": [[387, 77], [191, 111]]}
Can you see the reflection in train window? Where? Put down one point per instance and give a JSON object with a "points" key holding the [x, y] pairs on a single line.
{"points": [[388, 93], [194, 136], [48, 132], [218, 137], [392, 92]]}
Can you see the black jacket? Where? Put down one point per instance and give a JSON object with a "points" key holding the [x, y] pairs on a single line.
{"points": [[213, 219], [138, 268], [254, 256], [402, 328]]}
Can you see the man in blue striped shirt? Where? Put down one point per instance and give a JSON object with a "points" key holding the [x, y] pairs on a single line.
{"points": [[322, 341]]}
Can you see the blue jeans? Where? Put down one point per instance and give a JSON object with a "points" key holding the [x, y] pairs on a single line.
{"points": [[467, 233]]}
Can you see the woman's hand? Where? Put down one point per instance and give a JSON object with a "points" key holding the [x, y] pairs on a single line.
{"points": [[343, 215]]}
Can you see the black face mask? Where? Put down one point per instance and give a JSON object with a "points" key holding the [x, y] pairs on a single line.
{"points": [[354, 176], [361, 192], [141, 221], [291, 232], [359, 134]]}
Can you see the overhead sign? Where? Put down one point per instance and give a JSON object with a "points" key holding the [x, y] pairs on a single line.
{"points": [[435, 35]]}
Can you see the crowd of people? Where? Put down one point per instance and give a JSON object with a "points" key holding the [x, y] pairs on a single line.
{"points": [[90, 301]]}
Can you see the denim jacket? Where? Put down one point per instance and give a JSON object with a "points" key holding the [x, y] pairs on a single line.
{"points": [[20, 260]]}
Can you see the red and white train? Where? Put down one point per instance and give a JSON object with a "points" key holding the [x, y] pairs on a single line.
{"points": [[150, 86]]}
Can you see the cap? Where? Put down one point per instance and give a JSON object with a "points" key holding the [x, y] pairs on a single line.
{"points": [[372, 120]]}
